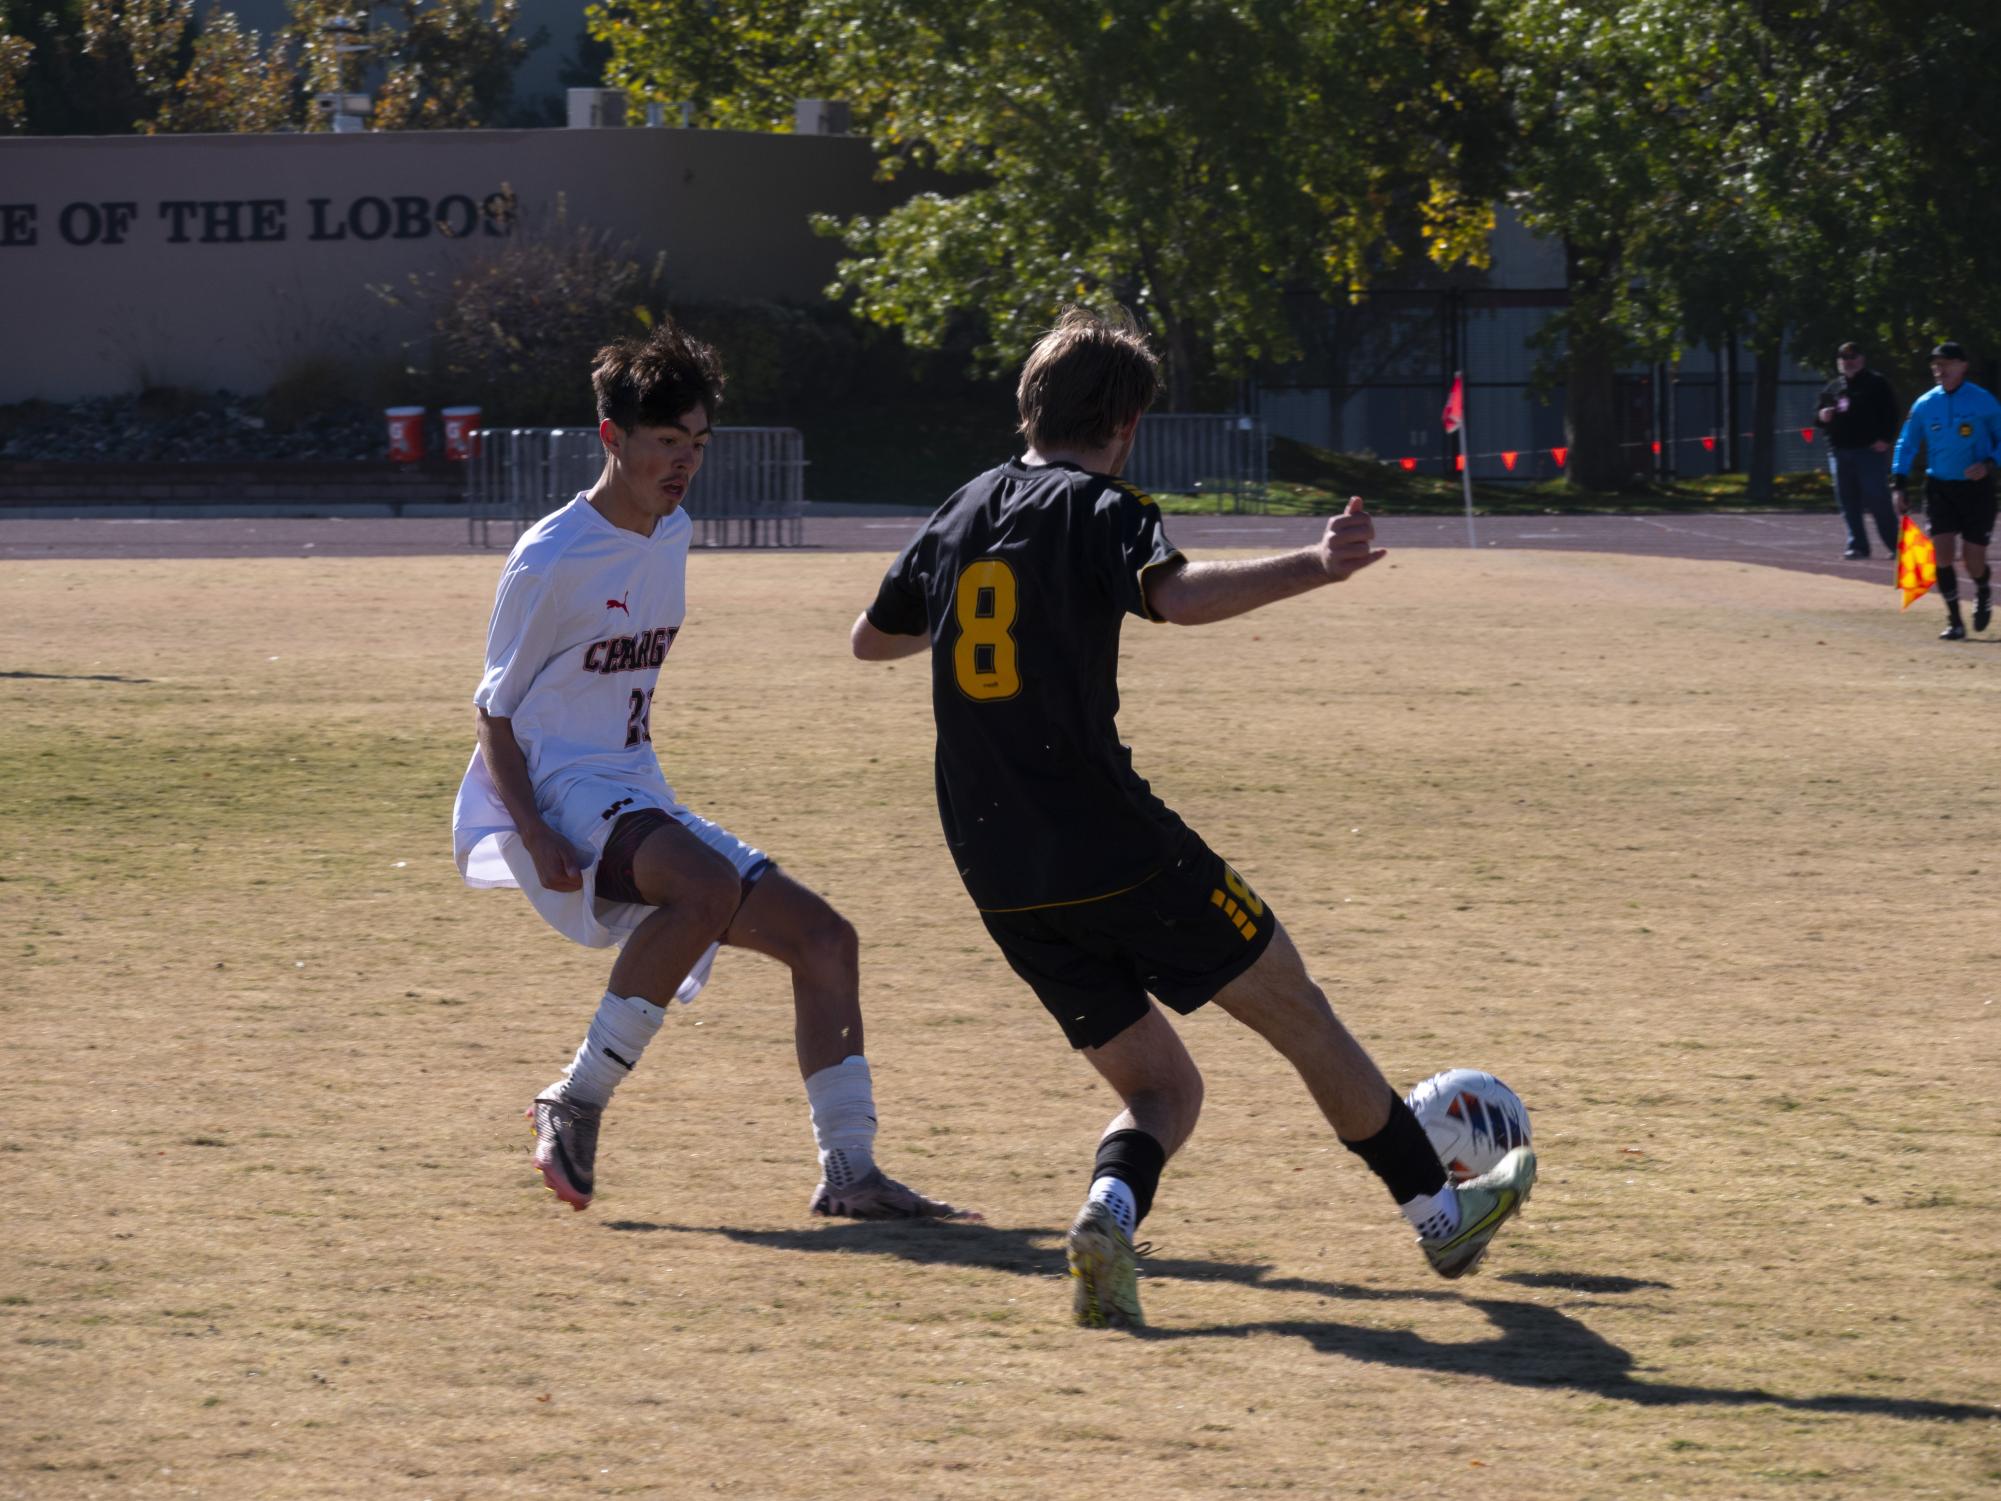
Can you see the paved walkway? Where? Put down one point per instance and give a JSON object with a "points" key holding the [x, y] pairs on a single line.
{"points": [[1809, 543]]}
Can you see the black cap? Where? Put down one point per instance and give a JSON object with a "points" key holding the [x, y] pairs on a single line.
{"points": [[1949, 350]]}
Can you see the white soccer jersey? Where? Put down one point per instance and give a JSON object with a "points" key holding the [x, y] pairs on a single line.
{"points": [[584, 617]]}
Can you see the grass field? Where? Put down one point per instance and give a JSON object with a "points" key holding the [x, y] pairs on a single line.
{"points": [[1700, 858]]}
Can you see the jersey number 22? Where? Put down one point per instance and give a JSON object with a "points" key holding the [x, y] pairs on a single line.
{"points": [[638, 722]]}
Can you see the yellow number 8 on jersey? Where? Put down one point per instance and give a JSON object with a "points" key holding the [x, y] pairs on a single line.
{"points": [[983, 658]]}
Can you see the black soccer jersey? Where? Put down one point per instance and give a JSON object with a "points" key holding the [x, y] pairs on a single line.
{"points": [[1022, 581]]}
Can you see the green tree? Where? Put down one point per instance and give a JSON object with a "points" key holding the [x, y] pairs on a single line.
{"points": [[15, 54], [232, 83], [68, 77], [740, 65], [450, 66], [115, 66], [1781, 171], [1198, 160]]}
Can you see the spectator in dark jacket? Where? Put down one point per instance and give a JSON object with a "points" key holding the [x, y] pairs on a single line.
{"points": [[1858, 412]]}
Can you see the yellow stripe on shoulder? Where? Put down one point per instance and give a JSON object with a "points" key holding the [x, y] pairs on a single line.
{"points": [[1134, 491]]}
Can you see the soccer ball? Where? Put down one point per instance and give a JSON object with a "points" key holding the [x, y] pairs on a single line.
{"points": [[1473, 1120]]}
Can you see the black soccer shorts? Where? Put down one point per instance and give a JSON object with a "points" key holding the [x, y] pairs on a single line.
{"points": [[615, 881], [1182, 935], [1961, 506]]}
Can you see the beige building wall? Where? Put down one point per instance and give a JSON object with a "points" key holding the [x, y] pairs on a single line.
{"points": [[217, 261]]}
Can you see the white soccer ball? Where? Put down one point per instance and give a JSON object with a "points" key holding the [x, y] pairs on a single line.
{"points": [[1473, 1120]]}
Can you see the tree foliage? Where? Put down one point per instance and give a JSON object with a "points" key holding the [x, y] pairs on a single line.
{"points": [[1780, 171], [514, 328], [739, 66], [1195, 159], [15, 53], [105, 67], [231, 83], [450, 65]]}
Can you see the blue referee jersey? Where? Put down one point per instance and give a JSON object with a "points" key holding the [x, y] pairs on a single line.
{"points": [[1958, 429]]}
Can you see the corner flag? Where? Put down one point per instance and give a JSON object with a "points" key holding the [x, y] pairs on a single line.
{"points": [[1917, 563], [1454, 415]]}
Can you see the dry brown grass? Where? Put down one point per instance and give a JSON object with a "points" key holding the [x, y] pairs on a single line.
{"points": [[1700, 858]]}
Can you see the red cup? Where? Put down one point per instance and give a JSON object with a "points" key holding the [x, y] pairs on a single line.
{"points": [[406, 434], [461, 433]]}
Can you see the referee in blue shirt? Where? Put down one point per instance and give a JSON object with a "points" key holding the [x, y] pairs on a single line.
{"points": [[1959, 425]]}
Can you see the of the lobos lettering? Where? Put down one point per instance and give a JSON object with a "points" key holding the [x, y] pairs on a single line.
{"points": [[408, 218], [262, 221], [629, 653]]}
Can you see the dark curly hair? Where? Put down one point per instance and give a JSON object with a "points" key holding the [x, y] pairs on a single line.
{"points": [[650, 382]]}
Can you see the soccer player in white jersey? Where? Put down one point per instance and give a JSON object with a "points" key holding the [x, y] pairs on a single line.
{"points": [[566, 799]]}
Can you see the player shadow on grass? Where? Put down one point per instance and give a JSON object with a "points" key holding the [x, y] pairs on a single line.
{"points": [[1535, 1345], [75, 677], [1540, 1346], [1039, 1252], [1035, 1251]]}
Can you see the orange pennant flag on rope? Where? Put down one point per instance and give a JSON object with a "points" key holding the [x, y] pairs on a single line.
{"points": [[1917, 563]]}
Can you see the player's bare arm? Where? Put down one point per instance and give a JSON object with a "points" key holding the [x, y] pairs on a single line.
{"points": [[1200, 593], [872, 645], [556, 862]]}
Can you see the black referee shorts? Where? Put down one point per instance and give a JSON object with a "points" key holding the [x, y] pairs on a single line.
{"points": [[1182, 935], [1961, 506]]}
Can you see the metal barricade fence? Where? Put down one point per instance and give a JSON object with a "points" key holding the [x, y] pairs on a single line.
{"points": [[751, 491], [1225, 456]]}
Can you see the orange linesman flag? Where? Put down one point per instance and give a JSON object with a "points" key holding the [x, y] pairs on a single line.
{"points": [[1917, 563]]}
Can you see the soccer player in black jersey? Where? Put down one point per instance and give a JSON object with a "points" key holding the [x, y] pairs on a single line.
{"points": [[1096, 892]]}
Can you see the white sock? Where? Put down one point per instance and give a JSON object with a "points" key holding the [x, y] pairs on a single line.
{"points": [[610, 1049], [1434, 1216], [842, 1099], [1117, 1195]]}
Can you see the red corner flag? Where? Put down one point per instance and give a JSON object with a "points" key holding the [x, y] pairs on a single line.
{"points": [[1917, 563], [1454, 415]]}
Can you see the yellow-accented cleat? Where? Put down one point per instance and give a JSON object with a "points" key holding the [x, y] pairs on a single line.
{"points": [[1104, 1272], [1485, 1204]]}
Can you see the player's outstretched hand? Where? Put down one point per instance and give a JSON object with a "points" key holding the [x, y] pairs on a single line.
{"points": [[556, 864], [1349, 541]]}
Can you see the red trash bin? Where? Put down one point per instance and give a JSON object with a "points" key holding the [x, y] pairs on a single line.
{"points": [[461, 433], [406, 434]]}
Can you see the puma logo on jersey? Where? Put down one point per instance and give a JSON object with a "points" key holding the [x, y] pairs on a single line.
{"points": [[629, 653], [619, 603]]}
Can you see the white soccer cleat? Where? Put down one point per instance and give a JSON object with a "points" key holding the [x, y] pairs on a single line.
{"points": [[877, 1196]]}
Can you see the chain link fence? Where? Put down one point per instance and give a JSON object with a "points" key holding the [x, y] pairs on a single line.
{"points": [[751, 491], [1224, 457], [1375, 371]]}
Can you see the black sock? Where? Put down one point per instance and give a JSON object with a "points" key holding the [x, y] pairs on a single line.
{"points": [[1135, 1159], [1948, 588], [1402, 1155], [1981, 580]]}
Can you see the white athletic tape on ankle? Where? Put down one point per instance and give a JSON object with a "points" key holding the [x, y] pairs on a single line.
{"points": [[1116, 1195], [842, 1099], [618, 1034], [1434, 1216]]}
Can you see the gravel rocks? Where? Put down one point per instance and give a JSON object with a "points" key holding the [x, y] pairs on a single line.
{"points": [[169, 426]]}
